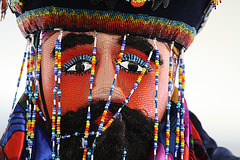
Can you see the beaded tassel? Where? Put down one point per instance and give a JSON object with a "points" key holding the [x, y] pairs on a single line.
{"points": [[59, 56], [156, 101], [215, 3], [30, 98], [56, 92], [40, 113], [39, 57], [90, 98], [20, 75], [27, 100], [19, 79], [124, 153], [182, 65], [110, 94], [168, 125], [132, 91], [35, 95], [180, 72]]}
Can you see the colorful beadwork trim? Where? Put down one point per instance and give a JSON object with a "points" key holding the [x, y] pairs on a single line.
{"points": [[113, 22]]}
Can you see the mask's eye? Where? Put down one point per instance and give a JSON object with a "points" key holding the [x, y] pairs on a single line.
{"points": [[78, 65], [133, 64]]}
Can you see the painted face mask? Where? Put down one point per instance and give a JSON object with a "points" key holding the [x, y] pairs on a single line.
{"points": [[100, 82]]}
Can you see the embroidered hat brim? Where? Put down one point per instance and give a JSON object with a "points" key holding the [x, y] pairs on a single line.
{"points": [[49, 18], [177, 20]]}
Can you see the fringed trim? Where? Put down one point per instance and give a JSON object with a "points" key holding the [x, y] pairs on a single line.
{"points": [[3, 9]]}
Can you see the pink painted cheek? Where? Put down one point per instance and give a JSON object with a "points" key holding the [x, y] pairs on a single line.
{"points": [[48, 85], [75, 92], [143, 97]]}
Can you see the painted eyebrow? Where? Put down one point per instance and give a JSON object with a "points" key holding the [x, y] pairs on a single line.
{"points": [[71, 40], [141, 44]]}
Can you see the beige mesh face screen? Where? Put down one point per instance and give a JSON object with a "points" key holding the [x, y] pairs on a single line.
{"points": [[76, 64]]}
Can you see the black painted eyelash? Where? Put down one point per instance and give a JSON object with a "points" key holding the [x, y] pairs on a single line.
{"points": [[84, 57], [74, 60], [132, 57]]}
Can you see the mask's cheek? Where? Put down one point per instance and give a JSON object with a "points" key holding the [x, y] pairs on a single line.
{"points": [[75, 91], [143, 97], [47, 75]]}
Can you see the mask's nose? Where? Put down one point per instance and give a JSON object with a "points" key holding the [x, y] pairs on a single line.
{"points": [[104, 78]]}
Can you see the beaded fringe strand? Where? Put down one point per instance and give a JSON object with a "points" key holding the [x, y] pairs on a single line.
{"points": [[57, 93], [90, 98], [182, 128], [168, 125], [30, 99], [155, 146]]}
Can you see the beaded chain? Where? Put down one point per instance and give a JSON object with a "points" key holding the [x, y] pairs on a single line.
{"points": [[110, 94], [168, 125], [20, 75], [90, 98], [156, 100], [39, 57], [57, 93], [132, 91], [180, 78], [40, 113], [59, 56], [124, 153], [182, 66], [30, 98], [27, 100], [76, 134], [35, 95], [214, 3], [178, 119]]}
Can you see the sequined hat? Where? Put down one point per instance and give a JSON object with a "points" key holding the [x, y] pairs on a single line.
{"points": [[166, 20]]}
